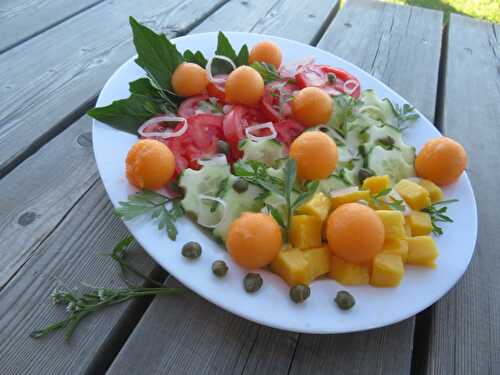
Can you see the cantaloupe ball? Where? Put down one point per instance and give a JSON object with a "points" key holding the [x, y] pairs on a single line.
{"points": [[355, 233], [189, 79], [312, 106], [267, 52], [315, 154], [441, 160], [150, 164], [244, 86], [254, 240]]}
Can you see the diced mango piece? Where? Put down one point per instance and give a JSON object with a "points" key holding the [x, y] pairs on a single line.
{"points": [[435, 191], [407, 227], [348, 273], [422, 251], [352, 197], [415, 195], [318, 205], [376, 184], [398, 247], [318, 260], [393, 222], [292, 266], [305, 231], [420, 223], [387, 270]]}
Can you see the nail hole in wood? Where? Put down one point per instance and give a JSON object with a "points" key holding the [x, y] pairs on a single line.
{"points": [[27, 218], [85, 139]]}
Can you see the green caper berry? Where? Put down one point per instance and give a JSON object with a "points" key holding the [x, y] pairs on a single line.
{"points": [[191, 250], [223, 147], [219, 268], [363, 174], [252, 282], [344, 300], [331, 77], [299, 293], [240, 185], [324, 129], [387, 141]]}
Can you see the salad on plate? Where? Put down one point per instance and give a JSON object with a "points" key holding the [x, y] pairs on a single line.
{"points": [[292, 166]]}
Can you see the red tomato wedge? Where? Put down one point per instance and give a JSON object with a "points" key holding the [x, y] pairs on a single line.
{"points": [[275, 103], [334, 81], [189, 106], [288, 130], [217, 89]]}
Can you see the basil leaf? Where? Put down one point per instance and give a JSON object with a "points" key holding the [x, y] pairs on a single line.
{"points": [[224, 48], [143, 87], [127, 114], [196, 58], [243, 55], [156, 54]]}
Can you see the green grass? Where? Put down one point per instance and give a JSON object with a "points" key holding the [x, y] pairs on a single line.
{"points": [[488, 10]]}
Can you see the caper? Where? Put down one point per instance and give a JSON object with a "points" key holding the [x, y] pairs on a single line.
{"points": [[331, 77], [387, 141], [240, 185], [191, 250], [344, 300], [299, 293], [219, 268], [324, 129], [223, 147], [364, 173], [252, 282]]}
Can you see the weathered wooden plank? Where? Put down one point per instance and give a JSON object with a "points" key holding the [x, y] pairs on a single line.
{"points": [[396, 44], [201, 337], [38, 194], [69, 256], [465, 325], [21, 20], [48, 79]]}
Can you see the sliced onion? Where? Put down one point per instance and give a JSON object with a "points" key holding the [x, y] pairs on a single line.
{"points": [[354, 85], [370, 108], [167, 133], [227, 108], [295, 65], [203, 197], [211, 78], [217, 159], [267, 125], [340, 192]]}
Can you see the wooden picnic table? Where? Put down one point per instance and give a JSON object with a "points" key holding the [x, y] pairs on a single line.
{"points": [[55, 216]]}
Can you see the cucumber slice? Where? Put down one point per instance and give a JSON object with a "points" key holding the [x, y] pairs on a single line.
{"points": [[380, 133], [268, 152], [389, 162], [376, 109]]}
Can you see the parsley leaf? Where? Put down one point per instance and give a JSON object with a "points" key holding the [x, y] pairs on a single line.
{"points": [[403, 114], [153, 204], [267, 71]]}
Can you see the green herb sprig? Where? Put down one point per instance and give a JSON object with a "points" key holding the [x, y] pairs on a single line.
{"points": [[382, 200], [404, 114], [267, 71], [437, 211], [221, 190], [147, 202]]}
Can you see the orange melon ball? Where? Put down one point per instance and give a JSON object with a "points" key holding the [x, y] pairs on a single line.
{"points": [[355, 233], [150, 164], [441, 160], [315, 154], [312, 106], [267, 52], [244, 86], [189, 79], [254, 240]]}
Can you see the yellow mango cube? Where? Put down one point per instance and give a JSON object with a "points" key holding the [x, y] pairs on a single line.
{"points": [[407, 227], [435, 191], [376, 184], [305, 231], [422, 251], [318, 205], [292, 266], [398, 247], [351, 197], [420, 223], [348, 273], [387, 270], [394, 223], [318, 260], [415, 195]]}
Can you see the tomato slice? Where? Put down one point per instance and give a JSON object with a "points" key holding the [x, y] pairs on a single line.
{"points": [[275, 103], [316, 75], [217, 89], [288, 130], [189, 106]]}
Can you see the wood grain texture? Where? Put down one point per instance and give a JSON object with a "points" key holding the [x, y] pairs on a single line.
{"points": [[68, 257], [41, 95], [203, 338], [22, 19], [465, 325], [39, 193], [385, 40]]}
